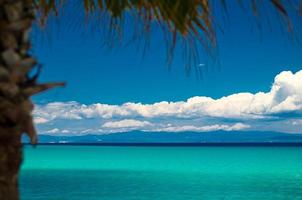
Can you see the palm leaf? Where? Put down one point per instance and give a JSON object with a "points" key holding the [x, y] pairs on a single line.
{"points": [[180, 19]]}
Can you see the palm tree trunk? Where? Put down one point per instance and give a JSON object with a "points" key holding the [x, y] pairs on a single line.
{"points": [[16, 87], [16, 17], [10, 155]]}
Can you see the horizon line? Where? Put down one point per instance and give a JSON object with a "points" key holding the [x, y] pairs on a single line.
{"points": [[169, 144]]}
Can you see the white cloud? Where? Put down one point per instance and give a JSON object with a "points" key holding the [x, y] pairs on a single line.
{"points": [[55, 130], [284, 97], [296, 122], [58, 110], [65, 131], [40, 120], [130, 125], [126, 123], [207, 128]]}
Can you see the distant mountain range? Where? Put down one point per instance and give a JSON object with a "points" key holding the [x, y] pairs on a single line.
{"points": [[183, 137]]}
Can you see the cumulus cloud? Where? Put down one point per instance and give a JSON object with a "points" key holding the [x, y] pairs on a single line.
{"points": [[55, 130], [284, 96], [283, 99], [65, 131], [40, 120], [58, 110], [296, 122], [126, 123], [207, 128]]}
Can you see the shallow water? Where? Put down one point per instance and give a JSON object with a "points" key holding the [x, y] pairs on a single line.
{"points": [[165, 173]]}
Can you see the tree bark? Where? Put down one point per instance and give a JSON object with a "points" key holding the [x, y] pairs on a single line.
{"points": [[16, 87], [10, 162]]}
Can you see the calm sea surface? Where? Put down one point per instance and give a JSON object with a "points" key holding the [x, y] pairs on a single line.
{"points": [[161, 173]]}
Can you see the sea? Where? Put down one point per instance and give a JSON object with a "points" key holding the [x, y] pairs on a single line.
{"points": [[93, 172]]}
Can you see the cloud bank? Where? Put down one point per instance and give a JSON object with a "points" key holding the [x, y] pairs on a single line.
{"points": [[280, 105], [126, 123]]}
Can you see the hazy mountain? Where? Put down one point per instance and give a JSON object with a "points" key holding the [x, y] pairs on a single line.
{"points": [[184, 137]]}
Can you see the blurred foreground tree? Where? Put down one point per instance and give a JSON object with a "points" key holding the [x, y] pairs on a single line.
{"points": [[189, 20]]}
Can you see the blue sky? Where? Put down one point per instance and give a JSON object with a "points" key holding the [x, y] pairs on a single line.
{"points": [[116, 90]]}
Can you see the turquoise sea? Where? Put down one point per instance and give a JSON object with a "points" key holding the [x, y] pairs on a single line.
{"points": [[59, 172]]}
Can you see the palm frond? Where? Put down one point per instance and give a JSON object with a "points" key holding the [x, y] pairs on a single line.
{"points": [[189, 20]]}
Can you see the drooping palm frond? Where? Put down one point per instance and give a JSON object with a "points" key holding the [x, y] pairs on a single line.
{"points": [[193, 21]]}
